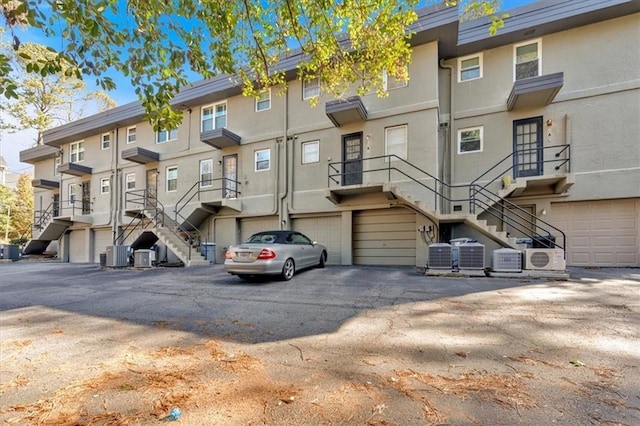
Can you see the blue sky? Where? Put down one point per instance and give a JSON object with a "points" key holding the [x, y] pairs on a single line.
{"points": [[12, 144]]}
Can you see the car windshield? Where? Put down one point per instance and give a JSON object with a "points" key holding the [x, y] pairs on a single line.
{"points": [[262, 238]]}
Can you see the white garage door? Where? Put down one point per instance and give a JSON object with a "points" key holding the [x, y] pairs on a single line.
{"points": [[248, 227], [78, 249], [325, 230], [600, 233], [101, 239], [384, 237]]}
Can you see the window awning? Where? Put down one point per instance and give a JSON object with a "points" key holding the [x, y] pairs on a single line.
{"points": [[345, 111], [140, 155], [220, 138], [535, 91]]}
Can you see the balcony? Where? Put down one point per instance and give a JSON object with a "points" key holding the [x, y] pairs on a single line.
{"points": [[74, 169], [220, 138], [535, 92], [345, 111], [140, 155]]}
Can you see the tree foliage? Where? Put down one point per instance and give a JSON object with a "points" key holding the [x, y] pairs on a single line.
{"points": [[159, 45], [44, 100], [16, 209]]}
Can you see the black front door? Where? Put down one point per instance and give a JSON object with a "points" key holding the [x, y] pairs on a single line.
{"points": [[152, 187], [56, 205], [86, 197], [527, 147], [352, 159], [230, 175]]}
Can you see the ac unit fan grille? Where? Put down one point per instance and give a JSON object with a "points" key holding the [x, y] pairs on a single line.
{"points": [[539, 259]]}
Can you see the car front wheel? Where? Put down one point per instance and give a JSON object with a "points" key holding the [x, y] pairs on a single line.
{"points": [[323, 260], [288, 270]]}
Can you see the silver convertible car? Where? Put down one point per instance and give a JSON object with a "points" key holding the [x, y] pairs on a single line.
{"points": [[274, 253]]}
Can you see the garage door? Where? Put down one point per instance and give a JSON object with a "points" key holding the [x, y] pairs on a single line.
{"points": [[78, 250], [384, 237], [600, 233], [326, 231], [101, 239], [248, 227]]}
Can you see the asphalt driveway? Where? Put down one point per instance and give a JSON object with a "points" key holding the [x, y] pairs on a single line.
{"points": [[341, 345]]}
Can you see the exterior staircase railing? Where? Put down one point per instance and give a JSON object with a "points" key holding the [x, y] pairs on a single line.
{"points": [[480, 197], [203, 186], [42, 217]]}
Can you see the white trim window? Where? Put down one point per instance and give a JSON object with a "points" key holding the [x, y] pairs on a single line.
{"points": [[214, 117], [310, 88], [310, 152], [172, 178], [105, 185], [263, 101], [262, 160], [73, 193], [130, 181], [76, 152], [166, 135], [395, 140], [206, 173], [470, 140], [391, 82], [470, 68], [527, 59], [56, 162], [105, 141], [131, 134]]}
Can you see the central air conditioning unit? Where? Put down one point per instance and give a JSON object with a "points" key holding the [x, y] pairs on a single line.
{"points": [[143, 258], [117, 256], [544, 259], [506, 260], [439, 255], [471, 256]]}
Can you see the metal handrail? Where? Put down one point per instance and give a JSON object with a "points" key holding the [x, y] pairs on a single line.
{"points": [[474, 189], [198, 188]]}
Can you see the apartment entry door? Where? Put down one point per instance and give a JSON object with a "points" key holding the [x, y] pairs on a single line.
{"points": [[86, 197], [527, 147], [352, 159], [152, 186], [230, 176]]}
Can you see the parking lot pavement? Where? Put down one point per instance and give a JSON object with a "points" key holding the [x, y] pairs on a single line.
{"points": [[351, 345]]}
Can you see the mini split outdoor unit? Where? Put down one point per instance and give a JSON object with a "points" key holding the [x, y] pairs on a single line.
{"points": [[471, 256], [439, 255], [506, 260], [544, 259]]}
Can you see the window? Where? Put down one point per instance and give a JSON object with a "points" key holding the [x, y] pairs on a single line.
{"points": [[165, 135], [263, 160], [527, 61], [131, 134], [56, 163], [470, 68], [396, 141], [206, 173], [172, 178], [310, 88], [106, 141], [73, 193], [105, 185], [391, 82], [310, 152], [130, 181], [470, 140], [214, 117], [263, 101], [76, 152]]}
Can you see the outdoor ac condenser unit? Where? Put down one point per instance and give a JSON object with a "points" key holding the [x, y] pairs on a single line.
{"points": [[117, 256], [439, 256], [471, 256], [143, 258], [544, 259], [506, 260]]}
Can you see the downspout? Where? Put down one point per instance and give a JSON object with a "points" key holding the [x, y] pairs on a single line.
{"points": [[448, 177], [284, 214]]}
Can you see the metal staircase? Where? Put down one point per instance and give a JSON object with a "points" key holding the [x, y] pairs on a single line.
{"points": [[47, 228], [148, 214], [484, 198]]}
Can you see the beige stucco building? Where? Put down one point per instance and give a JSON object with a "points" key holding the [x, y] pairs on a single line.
{"points": [[530, 132]]}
